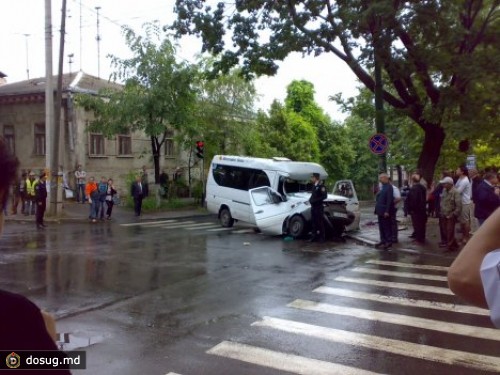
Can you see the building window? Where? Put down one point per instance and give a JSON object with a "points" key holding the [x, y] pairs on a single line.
{"points": [[8, 135], [96, 145], [124, 145], [169, 144], [39, 147]]}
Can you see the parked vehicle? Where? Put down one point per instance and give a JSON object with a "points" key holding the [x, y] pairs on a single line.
{"points": [[272, 193]]}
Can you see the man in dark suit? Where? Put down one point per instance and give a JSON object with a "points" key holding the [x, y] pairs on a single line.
{"points": [[487, 197], [384, 209], [316, 200], [137, 192], [417, 202]]}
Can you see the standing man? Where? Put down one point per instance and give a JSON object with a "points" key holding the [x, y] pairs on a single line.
{"points": [[318, 195], [80, 177], [417, 202], [145, 181], [41, 200], [487, 197], [394, 222], [164, 183], [451, 209], [137, 192], [30, 194], [384, 209], [92, 194], [102, 188], [464, 187]]}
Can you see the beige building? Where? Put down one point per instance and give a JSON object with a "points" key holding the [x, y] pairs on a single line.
{"points": [[22, 124]]}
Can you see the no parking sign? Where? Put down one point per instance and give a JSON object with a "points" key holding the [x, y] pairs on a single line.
{"points": [[378, 144]]}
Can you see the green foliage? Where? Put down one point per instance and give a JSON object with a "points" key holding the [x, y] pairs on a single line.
{"points": [[440, 57]]}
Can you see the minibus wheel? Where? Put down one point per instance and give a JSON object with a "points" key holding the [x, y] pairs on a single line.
{"points": [[226, 219]]}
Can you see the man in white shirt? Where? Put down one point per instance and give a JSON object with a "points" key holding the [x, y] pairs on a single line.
{"points": [[80, 177], [464, 187], [394, 222]]}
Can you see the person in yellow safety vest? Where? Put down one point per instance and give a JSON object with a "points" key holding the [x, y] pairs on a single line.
{"points": [[30, 194]]}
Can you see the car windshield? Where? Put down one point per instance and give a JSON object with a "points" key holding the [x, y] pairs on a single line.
{"points": [[291, 186]]}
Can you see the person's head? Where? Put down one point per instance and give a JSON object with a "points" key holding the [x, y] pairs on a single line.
{"points": [[383, 178], [491, 177], [9, 165], [110, 182], [315, 177], [405, 183], [103, 179], [462, 171], [447, 183], [138, 178], [79, 167], [91, 179], [446, 173], [31, 176], [43, 177], [144, 168], [416, 177]]}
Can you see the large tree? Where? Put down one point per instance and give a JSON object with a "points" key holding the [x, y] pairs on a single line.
{"points": [[441, 57], [157, 96]]}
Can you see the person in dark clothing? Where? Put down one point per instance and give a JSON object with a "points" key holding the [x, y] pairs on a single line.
{"points": [[137, 192], [164, 184], [318, 195], [384, 209], [23, 326], [487, 197], [110, 194], [417, 208], [437, 193], [404, 194], [41, 200]]}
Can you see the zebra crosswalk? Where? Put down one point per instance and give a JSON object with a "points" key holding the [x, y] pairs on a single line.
{"points": [[188, 225], [420, 325]]}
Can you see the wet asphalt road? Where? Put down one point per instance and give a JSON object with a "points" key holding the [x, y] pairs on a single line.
{"points": [[187, 297]]}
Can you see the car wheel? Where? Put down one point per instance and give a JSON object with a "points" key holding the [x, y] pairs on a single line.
{"points": [[226, 219], [296, 226]]}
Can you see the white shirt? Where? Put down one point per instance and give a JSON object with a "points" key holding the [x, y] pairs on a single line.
{"points": [[397, 195], [464, 187]]}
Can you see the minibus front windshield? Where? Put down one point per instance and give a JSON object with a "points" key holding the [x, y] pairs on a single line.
{"points": [[293, 187]]}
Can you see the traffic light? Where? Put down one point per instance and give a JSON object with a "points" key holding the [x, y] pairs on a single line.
{"points": [[199, 149]]}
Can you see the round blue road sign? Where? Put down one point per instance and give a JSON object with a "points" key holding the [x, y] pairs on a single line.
{"points": [[378, 144]]}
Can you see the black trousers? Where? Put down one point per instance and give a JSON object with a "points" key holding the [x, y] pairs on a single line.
{"points": [[318, 225], [40, 211], [137, 205], [110, 208], [385, 229], [394, 226], [419, 221]]}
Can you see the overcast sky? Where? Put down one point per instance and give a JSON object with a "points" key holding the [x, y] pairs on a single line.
{"points": [[23, 46]]}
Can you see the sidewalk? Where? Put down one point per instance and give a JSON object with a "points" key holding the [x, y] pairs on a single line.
{"points": [[369, 235], [79, 213]]}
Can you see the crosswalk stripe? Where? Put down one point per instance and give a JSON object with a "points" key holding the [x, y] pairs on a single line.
{"points": [[146, 223], [399, 274], [219, 229], [401, 301], [178, 225], [390, 284], [407, 265], [400, 320], [282, 361], [206, 226], [408, 349]]}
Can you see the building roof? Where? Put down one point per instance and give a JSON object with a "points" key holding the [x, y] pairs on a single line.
{"points": [[72, 82]]}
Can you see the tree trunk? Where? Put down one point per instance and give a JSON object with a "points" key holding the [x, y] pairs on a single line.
{"points": [[431, 149], [156, 157]]}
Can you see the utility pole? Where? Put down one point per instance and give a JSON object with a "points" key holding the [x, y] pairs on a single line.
{"points": [[98, 38], [56, 182], [49, 92], [379, 100]]}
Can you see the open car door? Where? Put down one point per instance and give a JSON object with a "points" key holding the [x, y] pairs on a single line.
{"points": [[269, 209], [345, 188]]}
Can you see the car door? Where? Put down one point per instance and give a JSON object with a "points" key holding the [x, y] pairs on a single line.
{"points": [[345, 188], [269, 210]]}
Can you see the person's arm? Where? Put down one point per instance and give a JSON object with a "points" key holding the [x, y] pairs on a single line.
{"points": [[460, 186], [458, 205], [464, 278]]}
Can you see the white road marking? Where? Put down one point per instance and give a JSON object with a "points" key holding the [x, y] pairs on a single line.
{"points": [[282, 361], [206, 226], [219, 229], [407, 265], [408, 349], [410, 275], [146, 223], [401, 301], [178, 225], [390, 284], [240, 231], [400, 320]]}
